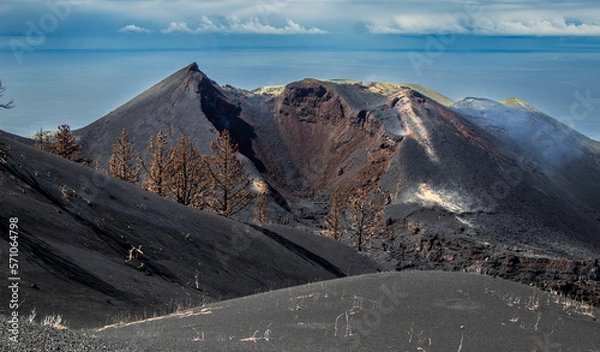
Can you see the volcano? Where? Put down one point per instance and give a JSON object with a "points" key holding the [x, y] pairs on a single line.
{"points": [[499, 178], [504, 170]]}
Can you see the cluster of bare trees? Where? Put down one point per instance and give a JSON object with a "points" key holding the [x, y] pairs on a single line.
{"points": [[216, 182], [358, 215]]}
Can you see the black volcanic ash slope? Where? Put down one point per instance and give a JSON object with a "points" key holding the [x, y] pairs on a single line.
{"points": [[78, 226]]}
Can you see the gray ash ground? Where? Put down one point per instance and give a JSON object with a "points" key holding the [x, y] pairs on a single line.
{"points": [[393, 311], [36, 337]]}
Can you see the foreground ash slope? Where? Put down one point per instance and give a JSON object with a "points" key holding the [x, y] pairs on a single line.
{"points": [[378, 312], [77, 226]]}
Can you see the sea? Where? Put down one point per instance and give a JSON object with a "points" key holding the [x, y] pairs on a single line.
{"points": [[77, 87]]}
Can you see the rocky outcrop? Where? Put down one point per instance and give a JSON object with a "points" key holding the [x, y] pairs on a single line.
{"points": [[418, 248], [320, 141]]}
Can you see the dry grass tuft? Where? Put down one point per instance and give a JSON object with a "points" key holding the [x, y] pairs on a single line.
{"points": [[54, 321]]}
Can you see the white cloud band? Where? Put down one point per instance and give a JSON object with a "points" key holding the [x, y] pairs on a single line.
{"points": [[233, 25], [482, 25], [132, 28]]}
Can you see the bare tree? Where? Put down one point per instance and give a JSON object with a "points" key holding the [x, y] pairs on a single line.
{"points": [[8, 105], [366, 220], [334, 227], [65, 144], [42, 140], [122, 162], [156, 176], [202, 195], [185, 177], [261, 210], [230, 182]]}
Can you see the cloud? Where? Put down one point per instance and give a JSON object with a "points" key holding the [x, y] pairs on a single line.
{"points": [[542, 27], [175, 27], [493, 21], [208, 26], [234, 25], [134, 29], [420, 24], [254, 26], [485, 26]]}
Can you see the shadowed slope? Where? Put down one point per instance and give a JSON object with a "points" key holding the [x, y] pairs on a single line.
{"points": [[78, 230]]}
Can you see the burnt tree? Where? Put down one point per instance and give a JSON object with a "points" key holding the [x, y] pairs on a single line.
{"points": [[366, 219], [122, 163], [186, 179], [229, 181], [261, 210], [65, 144], [334, 227], [8, 105], [156, 175]]}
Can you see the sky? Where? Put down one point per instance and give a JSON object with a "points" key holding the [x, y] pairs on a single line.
{"points": [[176, 23], [424, 31]]}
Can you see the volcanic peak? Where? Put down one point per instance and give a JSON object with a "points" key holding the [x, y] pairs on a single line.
{"points": [[193, 67]]}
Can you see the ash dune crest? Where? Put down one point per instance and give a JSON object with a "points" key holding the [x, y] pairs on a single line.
{"points": [[378, 312]]}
